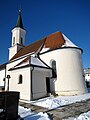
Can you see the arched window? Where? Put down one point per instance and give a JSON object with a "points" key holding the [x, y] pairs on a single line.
{"points": [[20, 79], [54, 71]]}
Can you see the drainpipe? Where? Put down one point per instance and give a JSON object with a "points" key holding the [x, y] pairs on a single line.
{"points": [[32, 68]]}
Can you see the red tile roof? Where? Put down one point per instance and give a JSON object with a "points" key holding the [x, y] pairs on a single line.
{"points": [[28, 49], [24, 61], [55, 40], [52, 41]]}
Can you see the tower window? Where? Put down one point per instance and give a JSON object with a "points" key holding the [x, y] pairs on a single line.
{"points": [[53, 65], [13, 40], [21, 40], [20, 79]]}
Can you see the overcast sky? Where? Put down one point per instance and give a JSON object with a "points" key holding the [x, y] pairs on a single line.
{"points": [[43, 17]]}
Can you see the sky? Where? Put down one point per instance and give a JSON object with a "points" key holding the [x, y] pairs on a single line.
{"points": [[43, 17]]}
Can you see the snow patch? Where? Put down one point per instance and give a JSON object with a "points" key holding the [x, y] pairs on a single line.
{"points": [[23, 112], [44, 50], [68, 43], [52, 103], [84, 116], [37, 62], [28, 115]]}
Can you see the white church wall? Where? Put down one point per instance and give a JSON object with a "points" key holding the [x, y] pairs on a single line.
{"points": [[14, 74], [39, 83], [70, 80], [2, 76], [47, 58], [9, 66], [39, 79], [18, 33], [18, 40], [23, 88], [12, 51]]}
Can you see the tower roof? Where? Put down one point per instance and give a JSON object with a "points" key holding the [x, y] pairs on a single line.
{"points": [[19, 21]]}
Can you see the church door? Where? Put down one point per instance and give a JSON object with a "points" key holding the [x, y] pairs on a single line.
{"points": [[48, 84]]}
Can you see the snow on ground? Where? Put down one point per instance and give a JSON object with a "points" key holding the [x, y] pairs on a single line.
{"points": [[83, 116], [23, 112], [50, 103], [27, 114]]}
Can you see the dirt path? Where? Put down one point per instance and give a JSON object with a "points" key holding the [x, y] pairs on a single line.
{"points": [[62, 112]]}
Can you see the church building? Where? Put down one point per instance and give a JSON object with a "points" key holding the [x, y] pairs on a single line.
{"points": [[50, 65]]}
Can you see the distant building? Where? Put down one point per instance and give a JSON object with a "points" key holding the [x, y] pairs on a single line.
{"points": [[50, 65], [87, 74]]}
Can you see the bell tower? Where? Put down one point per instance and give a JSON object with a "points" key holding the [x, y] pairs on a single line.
{"points": [[18, 37]]}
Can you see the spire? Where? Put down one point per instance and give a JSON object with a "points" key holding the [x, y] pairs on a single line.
{"points": [[19, 21]]}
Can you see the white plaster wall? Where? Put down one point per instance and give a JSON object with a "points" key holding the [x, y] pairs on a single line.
{"points": [[70, 80], [18, 33], [2, 76], [39, 83], [23, 88], [11, 65], [39, 79], [12, 51]]}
